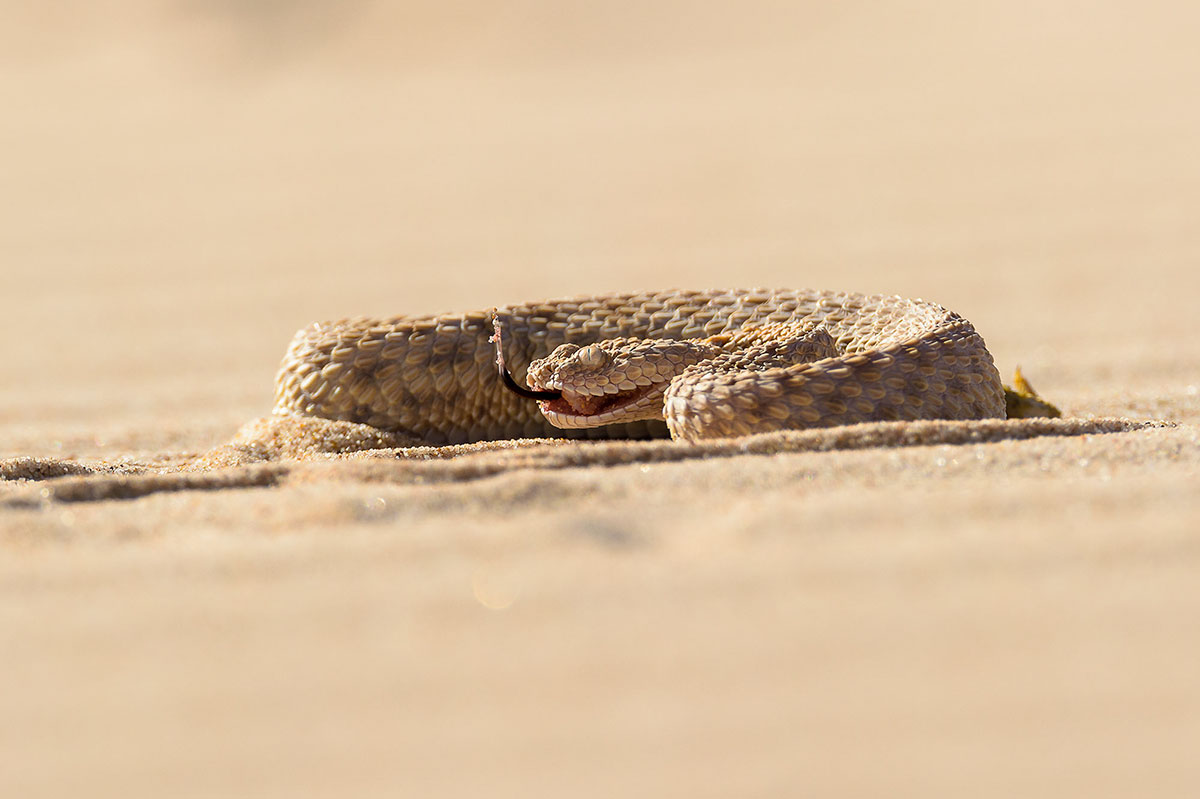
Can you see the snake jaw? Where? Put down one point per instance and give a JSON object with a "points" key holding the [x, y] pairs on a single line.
{"points": [[576, 410]]}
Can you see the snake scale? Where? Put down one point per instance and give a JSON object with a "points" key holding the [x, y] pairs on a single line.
{"points": [[689, 364]]}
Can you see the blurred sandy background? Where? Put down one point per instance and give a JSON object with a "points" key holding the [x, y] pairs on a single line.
{"points": [[183, 184]]}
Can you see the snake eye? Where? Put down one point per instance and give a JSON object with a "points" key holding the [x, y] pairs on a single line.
{"points": [[592, 357]]}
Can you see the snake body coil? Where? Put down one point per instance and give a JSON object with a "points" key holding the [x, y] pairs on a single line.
{"points": [[758, 360]]}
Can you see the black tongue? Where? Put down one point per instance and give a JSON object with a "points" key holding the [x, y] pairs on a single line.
{"points": [[528, 393], [506, 378]]}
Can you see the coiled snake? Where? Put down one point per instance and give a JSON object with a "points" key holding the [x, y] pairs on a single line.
{"points": [[691, 364]]}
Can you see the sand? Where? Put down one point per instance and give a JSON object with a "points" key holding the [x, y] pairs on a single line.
{"points": [[933, 609]]}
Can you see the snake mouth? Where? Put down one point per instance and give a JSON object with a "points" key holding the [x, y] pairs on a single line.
{"points": [[571, 410]]}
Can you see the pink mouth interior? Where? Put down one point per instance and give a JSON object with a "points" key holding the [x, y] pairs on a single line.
{"points": [[589, 405]]}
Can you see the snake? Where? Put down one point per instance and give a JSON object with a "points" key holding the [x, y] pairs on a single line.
{"points": [[689, 364]]}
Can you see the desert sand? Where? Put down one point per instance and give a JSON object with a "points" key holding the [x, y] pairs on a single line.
{"points": [[927, 611]]}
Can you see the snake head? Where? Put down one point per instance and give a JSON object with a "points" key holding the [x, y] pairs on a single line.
{"points": [[612, 381]]}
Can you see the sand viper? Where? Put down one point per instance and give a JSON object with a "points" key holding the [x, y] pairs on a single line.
{"points": [[691, 364]]}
